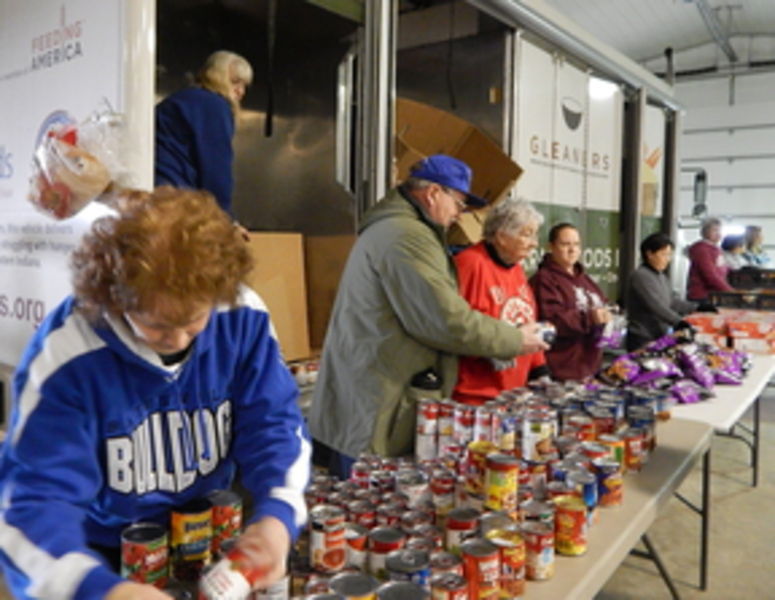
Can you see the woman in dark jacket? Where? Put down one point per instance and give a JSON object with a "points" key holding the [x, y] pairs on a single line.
{"points": [[569, 299], [653, 307]]}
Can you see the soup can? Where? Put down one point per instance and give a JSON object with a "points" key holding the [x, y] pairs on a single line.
{"points": [[354, 586], [461, 525], [227, 517], [327, 552], [402, 590], [570, 526], [355, 537], [481, 565], [449, 586], [513, 555], [409, 565], [500, 488], [145, 554], [539, 546], [383, 541], [190, 539], [446, 562], [610, 484]]}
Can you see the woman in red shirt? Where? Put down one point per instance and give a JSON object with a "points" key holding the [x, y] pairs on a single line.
{"points": [[491, 278]]}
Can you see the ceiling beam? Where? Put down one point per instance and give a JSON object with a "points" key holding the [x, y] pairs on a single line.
{"points": [[712, 23]]}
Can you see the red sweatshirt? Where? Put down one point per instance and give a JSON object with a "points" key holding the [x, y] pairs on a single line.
{"points": [[501, 291], [566, 301], [707, 272]]}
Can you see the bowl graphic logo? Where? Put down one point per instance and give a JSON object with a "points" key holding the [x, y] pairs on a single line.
{"points": [[572, 111]]}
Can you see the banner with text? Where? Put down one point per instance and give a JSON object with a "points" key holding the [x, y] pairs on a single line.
{"points": [[59, 62]]}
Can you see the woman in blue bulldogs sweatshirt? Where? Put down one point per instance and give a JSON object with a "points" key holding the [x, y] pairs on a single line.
{"points": [[149, 387]]}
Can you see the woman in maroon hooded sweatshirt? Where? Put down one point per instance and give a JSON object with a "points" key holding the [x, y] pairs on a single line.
{"points": [[573, 303]]}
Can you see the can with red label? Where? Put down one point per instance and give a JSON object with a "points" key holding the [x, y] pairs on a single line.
{"points": [[605, 422], [145, 554], [382, 480], [537, 510], [390, 514], [538, 471], [427, 416], [483, 424], [383, 541], [412, 519], [539, 545], [355, 586], [500, 488], [464, 424], [327, 551], [190, 539], [362, 512], [461, 525], [401, 590], [446, 562], [414, 484], [355, 537], [481, 565], [446, 418], [512, 560], [430, 532], [570, 526], [594, 450], [634, 449], [584, 424], [227, 517], [360, 473], [449, 586]]}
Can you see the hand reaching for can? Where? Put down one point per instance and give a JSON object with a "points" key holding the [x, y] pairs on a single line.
{"points": [[532, 339], [265, 544], [129, 590]]}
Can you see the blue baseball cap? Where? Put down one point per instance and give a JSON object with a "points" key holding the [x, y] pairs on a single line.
{"points": [[449, 172]]}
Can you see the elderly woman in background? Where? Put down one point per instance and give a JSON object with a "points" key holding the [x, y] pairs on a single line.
{"points": [[754, 253], [491, 278], [708, 269], [569, 299], [195, 127], [733, 247], [653, 307]]}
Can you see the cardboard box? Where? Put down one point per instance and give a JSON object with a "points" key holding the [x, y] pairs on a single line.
{"points": [[712, 323], [325, 258], [422, 130], [753, 331], [278, 277]]}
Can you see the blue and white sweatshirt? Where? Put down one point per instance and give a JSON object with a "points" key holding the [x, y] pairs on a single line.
{"points": [[194, 131], [103, 435]]}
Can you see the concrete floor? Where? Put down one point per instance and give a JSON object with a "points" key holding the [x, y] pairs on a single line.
{"points": [[742, 530]]}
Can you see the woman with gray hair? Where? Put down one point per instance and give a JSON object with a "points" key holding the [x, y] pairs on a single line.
{"points": [[195, 127], [708, 269], [491, 279]]}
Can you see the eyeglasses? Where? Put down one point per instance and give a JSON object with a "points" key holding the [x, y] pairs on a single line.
{"points": [[461, 204]]}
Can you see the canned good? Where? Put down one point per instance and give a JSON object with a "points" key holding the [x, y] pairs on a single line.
{"points": [[584, 424], [594, 450], [634, 449], [415, 485], [328, 552], [555, 489], [401, 590], [615, 444], [425, 446], [483, 424], [145, 554], [360, 472], [481, 565], [495, 520], [570, 526], [430, 532], [446, 425], [279, 590], [539, 546], [409, 565], [536, 510], [427, 416], [476, 465], [354, 586], [512, 561], [190, 539], [362, 512], [463, 423], [449, 586], [414, 518], [420, 543], [461, 524], [538, 475], [446, 562], [383, 541], [227, 517], [382, 480], [231, 577], [537, 433], [610, 485], [390, 514], [355, 537], [500, 488]]}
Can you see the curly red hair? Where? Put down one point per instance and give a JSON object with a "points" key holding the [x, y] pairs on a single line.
{"points": [[169, 245]]}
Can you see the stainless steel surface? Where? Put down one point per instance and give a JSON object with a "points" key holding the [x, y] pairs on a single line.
{"points": [[286, 182]]}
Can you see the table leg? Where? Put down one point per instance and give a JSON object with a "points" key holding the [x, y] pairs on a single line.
{"points": [[652, 555], [705, 520], [755, 449]]}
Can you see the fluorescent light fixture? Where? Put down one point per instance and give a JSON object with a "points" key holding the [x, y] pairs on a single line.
{"points": [[732, 229], [601, 89]]}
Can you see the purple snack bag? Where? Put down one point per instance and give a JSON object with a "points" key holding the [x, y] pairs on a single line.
{"points": [[695, 366]]}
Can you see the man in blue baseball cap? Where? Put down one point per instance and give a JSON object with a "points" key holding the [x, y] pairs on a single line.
{"points": [[398, 314]]}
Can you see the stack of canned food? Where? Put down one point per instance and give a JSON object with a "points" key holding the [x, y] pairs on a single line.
{"points": [[492, 494]]}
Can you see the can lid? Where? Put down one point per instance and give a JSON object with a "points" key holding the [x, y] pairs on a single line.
{"points": [[353, 584]]}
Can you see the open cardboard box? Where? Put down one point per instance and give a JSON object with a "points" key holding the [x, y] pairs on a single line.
{"points": [[422, 130]]}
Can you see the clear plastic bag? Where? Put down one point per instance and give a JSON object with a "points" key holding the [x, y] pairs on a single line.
{"points": [[74, 164], [613, 333]]}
